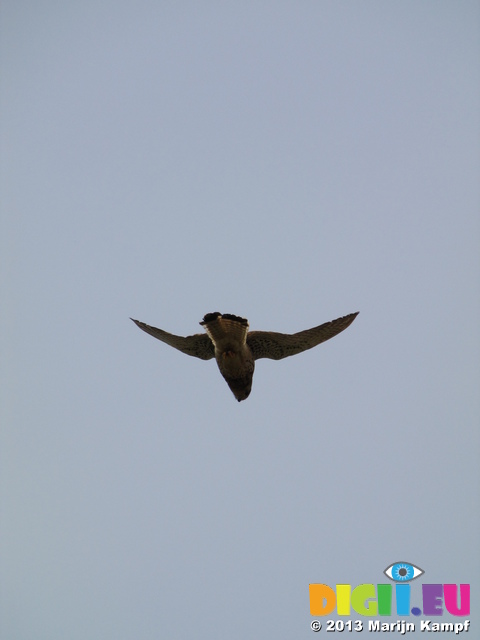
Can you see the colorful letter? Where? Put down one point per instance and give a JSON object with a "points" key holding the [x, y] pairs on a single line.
{"points": [[322, 599], [343, 599], [402, 595], [450, 594], [432, 599], [360, 596], [384, 596]]}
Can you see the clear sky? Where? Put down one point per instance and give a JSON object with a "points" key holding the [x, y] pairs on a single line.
{"points": [[289, 162]]}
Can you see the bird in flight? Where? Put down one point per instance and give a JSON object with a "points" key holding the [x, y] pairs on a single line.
{"points": [[235, 348]]}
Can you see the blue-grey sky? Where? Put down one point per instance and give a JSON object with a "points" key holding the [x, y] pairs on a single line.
{"points": [[283, 161]]}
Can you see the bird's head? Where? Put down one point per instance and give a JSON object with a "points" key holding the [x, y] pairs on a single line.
{"points": [[241, 387]]}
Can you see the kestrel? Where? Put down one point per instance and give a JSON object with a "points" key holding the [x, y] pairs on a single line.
{"points": [[235, 348]]}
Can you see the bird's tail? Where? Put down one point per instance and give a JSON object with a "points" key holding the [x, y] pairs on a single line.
{"points": [[225, 326]]}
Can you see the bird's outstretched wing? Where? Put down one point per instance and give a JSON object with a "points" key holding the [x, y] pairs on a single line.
{"points": [[268, 344], [198, 345]]}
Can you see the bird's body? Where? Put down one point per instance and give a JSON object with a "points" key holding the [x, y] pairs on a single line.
{"points": [[235, 360], [235, 348]]}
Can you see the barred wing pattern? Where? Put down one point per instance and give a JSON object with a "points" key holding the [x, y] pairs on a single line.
{"points": [[198, 345], [268, 344]]}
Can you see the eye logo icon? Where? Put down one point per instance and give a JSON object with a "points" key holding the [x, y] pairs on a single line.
{"points": [[403, 572]]}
